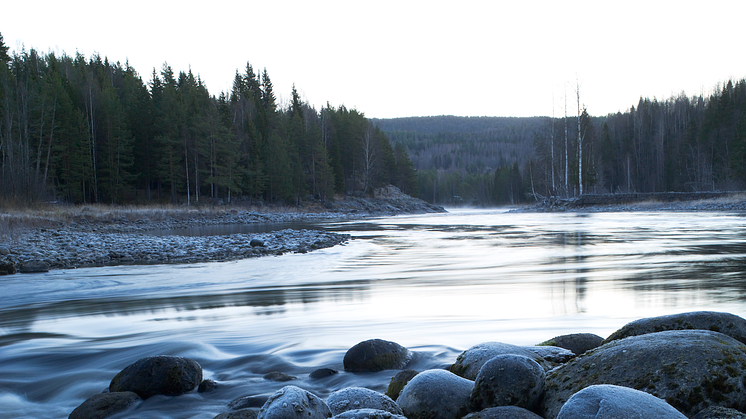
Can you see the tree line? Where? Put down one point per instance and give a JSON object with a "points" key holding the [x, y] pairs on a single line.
{"points": [[85, 130], [679, 144]]}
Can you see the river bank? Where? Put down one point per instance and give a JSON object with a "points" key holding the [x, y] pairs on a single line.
{"points": [[58, 237], [734, 202]]}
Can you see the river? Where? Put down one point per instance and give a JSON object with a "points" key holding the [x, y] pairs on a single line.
{"points": [[437, 284]]}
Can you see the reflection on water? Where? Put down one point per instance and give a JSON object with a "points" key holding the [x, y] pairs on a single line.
{"points": [[436, 283]]}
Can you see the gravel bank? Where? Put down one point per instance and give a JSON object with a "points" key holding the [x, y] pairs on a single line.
{"points": [[734, 203]]}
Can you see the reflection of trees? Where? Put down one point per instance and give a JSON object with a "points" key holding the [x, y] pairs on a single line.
{"points": [[272, 299]]}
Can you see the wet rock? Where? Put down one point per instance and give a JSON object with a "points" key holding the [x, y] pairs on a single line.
{"points": [[322, 373], [719, 412], [239, 414], [279, 376], [553, 354], [398, 382], [7, 267], [256, 243], [354, 398], [167, 375], [368, 414], [503, 412], [436, 394], [725, 323], [578, 343], [34, 266], [690, 369], [207, 385], [291, 402], [104, 405], [467, 364], [376, 355], [612, 402], [508, 380], [4, 250]]}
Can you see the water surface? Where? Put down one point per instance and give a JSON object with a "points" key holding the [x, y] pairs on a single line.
{"points": [[437, 284]]}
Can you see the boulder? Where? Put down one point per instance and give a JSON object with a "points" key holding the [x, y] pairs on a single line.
{"points": [[553, 354], [33, 266], [104, 405], [291, 402], [508, 380], [354, 398], [470, 361], [322, 373], [207, 385], [578, 343], [436, 394], [719, 412], [4, 250], [690, 369], [398, 382], [368, 414], [612, 402], [725, 323], [167, 375], [247, 402], [256, 243], [503, 412], [376, 355], [7, 267]]}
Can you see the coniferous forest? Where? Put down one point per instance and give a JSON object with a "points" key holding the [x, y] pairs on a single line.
{"points": [[85, 130], [679, 144]]}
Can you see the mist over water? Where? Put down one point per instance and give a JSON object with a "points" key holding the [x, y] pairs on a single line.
{"points": [[436, 284]]}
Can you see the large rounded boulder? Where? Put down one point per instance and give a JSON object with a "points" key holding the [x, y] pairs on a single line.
{"points": [[436, 394], [355, 398], [166, 375], [368, 414], [508, 380], [104, 405], [612, 402], [376, 355], [577, 343], [726, 323], [291, 402], [470, 361], [690, 369]]}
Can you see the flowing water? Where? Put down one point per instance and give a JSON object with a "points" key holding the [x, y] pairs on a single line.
{"points": [[436, 284]]}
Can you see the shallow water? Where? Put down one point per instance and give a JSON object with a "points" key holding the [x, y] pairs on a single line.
{"points": [[437, 284]]}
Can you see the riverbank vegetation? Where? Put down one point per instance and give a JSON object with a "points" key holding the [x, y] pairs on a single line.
{"points": [[86, 130], [681, 144]]}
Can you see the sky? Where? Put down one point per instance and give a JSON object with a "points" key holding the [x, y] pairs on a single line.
{"points": [[412, 58]]}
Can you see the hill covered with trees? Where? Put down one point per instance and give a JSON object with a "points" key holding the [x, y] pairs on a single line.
{"points": [[679, 144], [85, 130]]}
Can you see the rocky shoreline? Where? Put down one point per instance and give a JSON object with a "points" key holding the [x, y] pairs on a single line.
{"points": [[90, 238], [731, 202], [688, 365]]}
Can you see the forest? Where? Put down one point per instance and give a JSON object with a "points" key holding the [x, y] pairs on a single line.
{"points": [[85, 130], [679, 144]]}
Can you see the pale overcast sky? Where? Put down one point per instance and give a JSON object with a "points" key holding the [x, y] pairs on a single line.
{"points": [[412, 58]]}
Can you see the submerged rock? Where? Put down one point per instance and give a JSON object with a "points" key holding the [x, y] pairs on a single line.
{"points": [[104, 405], [322, 373], [376, 355], [279, 376], [612, 402], [34, 266], [578, 343], [167, 375], [354, 398], [726, 323], [467, 364], [436, 394], [291, 402], [508, 380], [690, 369]]}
